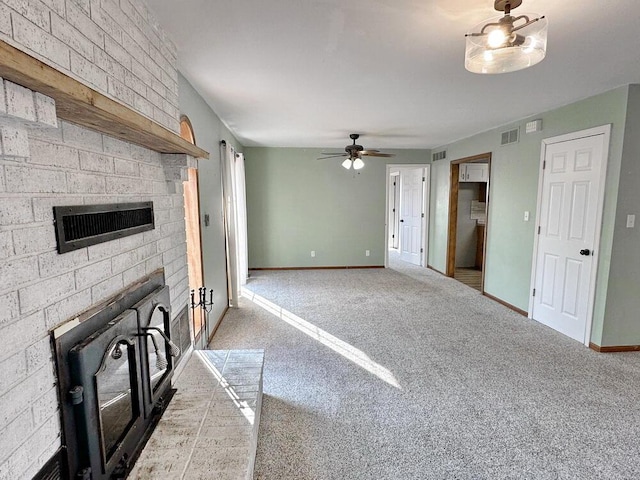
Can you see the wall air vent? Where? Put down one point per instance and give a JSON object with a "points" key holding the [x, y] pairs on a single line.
{"points": [[439, 156], [55, 468], [84, 225], [510, 137]]}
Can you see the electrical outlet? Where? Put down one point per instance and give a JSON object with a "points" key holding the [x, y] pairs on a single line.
{"points": [[631, 221], [313, 253], [367, 253]]}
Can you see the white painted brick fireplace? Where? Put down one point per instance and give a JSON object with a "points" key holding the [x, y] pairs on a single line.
{"points": [[116, 48]]}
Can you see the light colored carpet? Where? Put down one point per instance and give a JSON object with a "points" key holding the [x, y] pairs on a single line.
{"points": [[383, 374]]}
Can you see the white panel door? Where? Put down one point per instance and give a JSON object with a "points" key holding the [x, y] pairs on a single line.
{"points": [[568, 215], [411, 215]]}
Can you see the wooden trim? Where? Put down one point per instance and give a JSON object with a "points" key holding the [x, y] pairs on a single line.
{"points": [[508, 305], [189, 135], [346, 267], [452, 231], [193, 237], [473, 158], [80, 104], [614, 348], [454, 187]]}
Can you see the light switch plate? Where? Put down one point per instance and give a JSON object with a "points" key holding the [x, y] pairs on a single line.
{"points": [[526, 216], [631, 221]]}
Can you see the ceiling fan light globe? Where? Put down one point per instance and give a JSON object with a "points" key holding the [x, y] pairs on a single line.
{"points": [[347, 163], [358, 164], [522, 50]]}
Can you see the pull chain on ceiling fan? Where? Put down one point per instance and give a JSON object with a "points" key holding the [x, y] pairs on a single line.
{"points": [[354, 154]]}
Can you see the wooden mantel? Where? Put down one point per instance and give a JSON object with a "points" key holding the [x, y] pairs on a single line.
{"points": [[79, 104]]}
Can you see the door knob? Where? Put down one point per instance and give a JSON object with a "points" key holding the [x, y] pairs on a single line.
{"points": [[585, 252], [401, 220]]}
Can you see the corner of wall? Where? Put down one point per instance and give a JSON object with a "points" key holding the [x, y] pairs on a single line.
{"points": [[620, 326]]}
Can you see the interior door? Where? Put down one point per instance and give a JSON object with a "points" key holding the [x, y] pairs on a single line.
{"points": [[411, 194], [569, 211]]}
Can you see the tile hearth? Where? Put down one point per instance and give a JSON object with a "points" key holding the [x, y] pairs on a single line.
{"points": [[210, 428]]}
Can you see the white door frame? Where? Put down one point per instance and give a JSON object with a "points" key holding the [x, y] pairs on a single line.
{"points": [[393, 226], [590, 132], [425, 208]]}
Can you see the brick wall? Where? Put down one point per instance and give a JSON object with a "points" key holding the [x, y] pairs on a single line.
{"points": [[114, 46], [46, 162]]}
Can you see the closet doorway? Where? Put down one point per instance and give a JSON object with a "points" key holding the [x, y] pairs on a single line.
{"points": [[468, 207]]}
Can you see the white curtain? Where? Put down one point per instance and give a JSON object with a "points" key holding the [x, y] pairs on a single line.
{"points": [[241, 220], [235, 220]]}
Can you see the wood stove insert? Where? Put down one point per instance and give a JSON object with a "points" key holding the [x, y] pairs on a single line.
{"points": [[114, 379]]}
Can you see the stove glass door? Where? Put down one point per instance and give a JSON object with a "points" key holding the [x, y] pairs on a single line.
{"points": [[114, 385], [109, 416], [157, 370]]}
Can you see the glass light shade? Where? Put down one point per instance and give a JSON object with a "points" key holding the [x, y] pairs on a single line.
{"points": [[358, 164], [347, 163], [527, 47], [496, 38]]}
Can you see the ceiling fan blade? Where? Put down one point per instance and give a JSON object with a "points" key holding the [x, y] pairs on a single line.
{"points": [[377, 154], [369, 151], [333, 153], [331, 156]]}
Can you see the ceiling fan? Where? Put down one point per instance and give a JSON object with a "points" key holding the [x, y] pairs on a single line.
{"points": [[354, 154]]}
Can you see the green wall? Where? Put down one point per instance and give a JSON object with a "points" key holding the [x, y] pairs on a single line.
{"points": [[209, 131], [296, 204], [513, 190], [622, 325]]}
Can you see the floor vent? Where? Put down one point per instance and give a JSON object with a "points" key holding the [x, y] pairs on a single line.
{"points": [[84, 225], [439, 156], [510, 137]]}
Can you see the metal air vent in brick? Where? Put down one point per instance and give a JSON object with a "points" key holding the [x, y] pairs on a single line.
{"points": [[55, 468], [510, 137], [84, 225], [439, 155]]}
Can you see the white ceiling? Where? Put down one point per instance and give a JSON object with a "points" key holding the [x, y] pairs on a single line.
{"points": [[306, 73]]}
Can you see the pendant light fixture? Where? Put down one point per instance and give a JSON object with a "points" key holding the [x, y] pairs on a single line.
{"points": [[508, 43]]}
